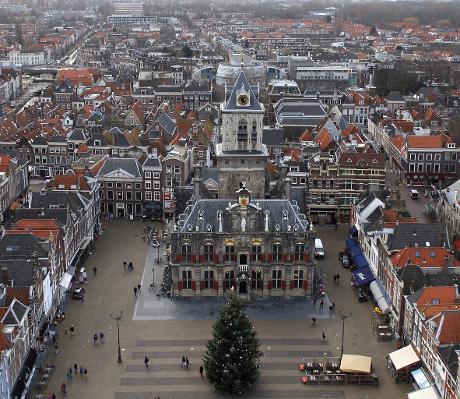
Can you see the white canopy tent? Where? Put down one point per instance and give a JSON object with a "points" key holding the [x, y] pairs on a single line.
{"points": [[356, 364], [404, 357], [425, 393]]}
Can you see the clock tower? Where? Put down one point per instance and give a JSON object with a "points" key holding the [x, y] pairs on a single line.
{"points": [[241, 156]]}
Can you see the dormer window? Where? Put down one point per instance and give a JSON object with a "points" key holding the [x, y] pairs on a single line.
{"points": [[97, 142]]}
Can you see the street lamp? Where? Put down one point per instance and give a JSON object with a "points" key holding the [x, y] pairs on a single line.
{"points": [[343, 316], [118, 319], [153, 275]]}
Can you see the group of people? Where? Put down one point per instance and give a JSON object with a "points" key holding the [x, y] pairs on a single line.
{"points": [[336, 278], [137, 289], [185, 363], [100, 336], [75, 370], [129, 266]]}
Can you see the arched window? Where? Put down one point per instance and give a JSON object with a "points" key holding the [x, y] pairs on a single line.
{"points": [[242, 130], [254, 131]]}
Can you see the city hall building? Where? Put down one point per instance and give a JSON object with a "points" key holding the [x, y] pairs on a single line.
{"points": [[257, 249]]}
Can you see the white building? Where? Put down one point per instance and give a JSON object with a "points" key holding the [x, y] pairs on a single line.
{"points": [[29, 58]]}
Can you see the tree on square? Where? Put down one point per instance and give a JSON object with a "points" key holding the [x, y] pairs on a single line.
{"points": [[232, 355]]}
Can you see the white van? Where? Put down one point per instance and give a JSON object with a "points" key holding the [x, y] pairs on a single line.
{"points": [[413, 193], [319, 248]]}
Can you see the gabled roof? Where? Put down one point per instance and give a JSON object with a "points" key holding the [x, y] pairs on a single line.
{"points": [[78, 134], [440, 295], [242, 84], [395, 96], [324, 140], [128, 165], [423, 257], [448, 331], [15, 313], [167, 123]]}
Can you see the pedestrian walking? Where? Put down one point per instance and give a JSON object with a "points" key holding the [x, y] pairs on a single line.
{"points": [[72, 329], [75, 367], [146, 361], [314, 301], [82, 370], [323, 336], [95, 339], [95, 271], [135, 291], [130, 266], [82, 298], [183, 362], [321, 304], [63, 388], [139, 288], [335, 276], [124, 265], [187, 363], [85, 372], [201, 370], [101, 337], [56, 348], [69, 376], [65, 331], [338, 278], [54, 338]]}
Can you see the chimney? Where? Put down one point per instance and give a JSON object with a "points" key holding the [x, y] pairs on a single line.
{"points": [[196, 187], [287, 188]]}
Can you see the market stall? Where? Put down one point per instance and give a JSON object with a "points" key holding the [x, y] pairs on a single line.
{"points": [[402, 362]]}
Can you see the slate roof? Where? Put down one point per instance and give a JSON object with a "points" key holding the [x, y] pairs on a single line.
{"points": [[409, 234], [231, 104], [59, 199], [197, 86], [60, 215], [129, 165], [209, 173], [15, 313], [167, 123], [78, 134], [395, 96], [97, 136], [449, 357], [276, 208], [152, 162], [273, 136], [39, 140], [20, 271], [13, 246], [57, 139]]}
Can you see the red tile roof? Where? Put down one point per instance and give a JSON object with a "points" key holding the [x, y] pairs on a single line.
{"points": [[437, 295], [20, 293], [324, 139], [423, 257], [424, 141], [449, 327]]}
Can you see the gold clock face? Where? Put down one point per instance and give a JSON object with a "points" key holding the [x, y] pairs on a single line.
{"points": [[243, 99]]}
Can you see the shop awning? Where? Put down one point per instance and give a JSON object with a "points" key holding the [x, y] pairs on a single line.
{"points": [[85, 243], [353, 231], [420, 378], [403, 357], [363, 276], [426, 393], [355, 251], [356, 364], [351, 242], [360, 261], [67, 278], [380, 296]]}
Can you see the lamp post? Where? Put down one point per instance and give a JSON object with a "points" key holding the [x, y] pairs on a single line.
{"points": [[153, 275], [118, 319], [343, 316]]}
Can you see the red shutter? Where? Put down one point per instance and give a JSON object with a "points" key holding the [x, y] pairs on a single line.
{"points": [[201, 285], [270, 284], [283, 284], [193, 285], [178, 258], [216, 285], [284, 257], [262, 258], [292, 284], [180, 285], [215, 258], [270, 258], [292, 257], [201, 258], [305, 284], [193, 258], [306, 258]]}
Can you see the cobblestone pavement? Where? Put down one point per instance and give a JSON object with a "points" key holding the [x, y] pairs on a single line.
{"points": [[165, 332]]}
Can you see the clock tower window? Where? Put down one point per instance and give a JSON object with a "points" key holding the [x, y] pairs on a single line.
{"points": [[242, 130], [254, 131]]}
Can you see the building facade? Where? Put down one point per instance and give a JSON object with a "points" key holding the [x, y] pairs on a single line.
{"points": [[256, 249]]}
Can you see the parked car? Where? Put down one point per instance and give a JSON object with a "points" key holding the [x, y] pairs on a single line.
{"points": [[344, 259], [319, 248], [78, 293]]}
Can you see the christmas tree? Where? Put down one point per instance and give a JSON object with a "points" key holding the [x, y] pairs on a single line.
{"points": [[232, 355]]}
